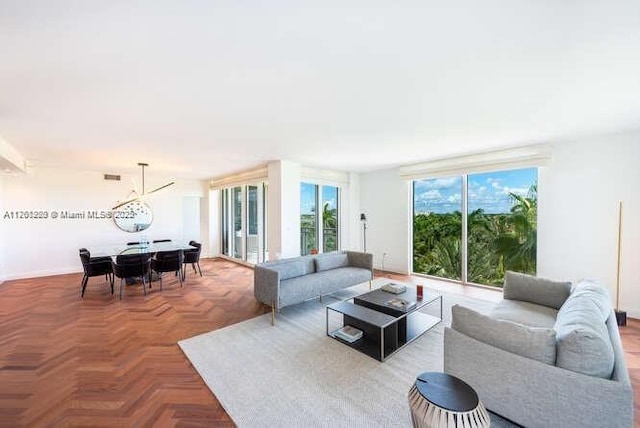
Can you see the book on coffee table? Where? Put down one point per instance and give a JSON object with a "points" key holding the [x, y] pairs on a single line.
{"points": [[401, 304], [349, 333]]}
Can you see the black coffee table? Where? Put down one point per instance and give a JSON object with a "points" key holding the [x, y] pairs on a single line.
{"points": [[385, 329]]}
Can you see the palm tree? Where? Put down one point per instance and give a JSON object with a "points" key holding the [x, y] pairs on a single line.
{"points": [[329, 228], [518, 245], [329, 218]]}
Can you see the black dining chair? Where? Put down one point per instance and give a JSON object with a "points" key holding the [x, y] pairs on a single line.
{"points": [[192, 257], [161, 240], [95, 266], [133, 243], [130, 266], [168, 261]]}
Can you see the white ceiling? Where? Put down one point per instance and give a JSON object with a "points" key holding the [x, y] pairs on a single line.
{"points": [[205, 88]]}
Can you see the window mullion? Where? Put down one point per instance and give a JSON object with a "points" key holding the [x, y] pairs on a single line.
{"points": [[319, 220], [465, 235]]}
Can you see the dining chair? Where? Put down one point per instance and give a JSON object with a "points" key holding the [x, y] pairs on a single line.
{"points": [[161, 240], [192, 257], [95, 266], [168, 261], [132, 265], [133, 243]]}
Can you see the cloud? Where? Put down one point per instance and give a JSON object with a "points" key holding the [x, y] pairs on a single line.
{"points": [[439, 183], [429, 195], [522, 191]]}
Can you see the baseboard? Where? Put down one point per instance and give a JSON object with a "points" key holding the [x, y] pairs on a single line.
{"points": [[41, 273]]}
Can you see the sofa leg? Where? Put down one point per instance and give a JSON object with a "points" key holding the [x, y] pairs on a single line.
{"points": [[273, 314]]}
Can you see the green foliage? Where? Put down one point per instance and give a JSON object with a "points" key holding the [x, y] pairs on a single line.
{"points": [[496, 242], [330, 230]]}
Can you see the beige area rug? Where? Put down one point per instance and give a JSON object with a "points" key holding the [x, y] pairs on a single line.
{"points": [[293, 374]]}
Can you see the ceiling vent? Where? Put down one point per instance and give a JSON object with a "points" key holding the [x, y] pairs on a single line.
{"points": [[112, 177]]}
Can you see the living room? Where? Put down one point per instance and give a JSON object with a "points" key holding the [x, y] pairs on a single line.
{"points": [[260, 94]]}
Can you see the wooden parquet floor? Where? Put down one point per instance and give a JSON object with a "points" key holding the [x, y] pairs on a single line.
{"points": [[99, 361]]}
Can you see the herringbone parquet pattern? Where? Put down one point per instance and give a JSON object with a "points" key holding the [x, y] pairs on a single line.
{"points": [[99, 361]]}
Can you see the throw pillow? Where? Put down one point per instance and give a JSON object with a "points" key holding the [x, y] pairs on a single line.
{"points": [[584, 345], [541, 291], [331, 261], [530, 342]]}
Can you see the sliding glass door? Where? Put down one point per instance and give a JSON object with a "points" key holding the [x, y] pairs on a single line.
{"points": [[308, 218], [236, 205], [243, 223], [252, 224], [437, 227], [319, 218], [472, 228], [329, 218]]}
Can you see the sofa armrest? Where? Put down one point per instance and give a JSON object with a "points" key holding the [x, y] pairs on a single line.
{"points": [[266, 286], [535, 394], [361, 260]]}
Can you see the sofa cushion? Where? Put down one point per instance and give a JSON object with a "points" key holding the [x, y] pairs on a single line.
{"points": [[331, 261], [530, 342], [526, 313], [292, 269], [584, 345], [598, 294], [541, 291]]}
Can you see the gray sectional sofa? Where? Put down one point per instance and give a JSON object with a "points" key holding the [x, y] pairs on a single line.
{"points": [[286, 282], [549, 355]]}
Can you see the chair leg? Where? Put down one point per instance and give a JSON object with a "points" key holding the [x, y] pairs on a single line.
{"points": [[111, 281], [85, 278], [198, 262], [180, 278], [144, 285], [121, 281], [160, 275]]}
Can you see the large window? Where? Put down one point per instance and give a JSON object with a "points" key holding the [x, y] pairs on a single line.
{"points": [[243, 222], [472, 228], [319, 218]]}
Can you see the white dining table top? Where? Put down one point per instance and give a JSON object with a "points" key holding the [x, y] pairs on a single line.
{"points": [[119, 249]]}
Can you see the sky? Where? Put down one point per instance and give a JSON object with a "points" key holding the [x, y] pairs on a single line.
{"points": [[308, 197], [489, 191]]}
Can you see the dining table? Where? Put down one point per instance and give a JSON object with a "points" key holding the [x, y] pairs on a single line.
{"points": [[115, 250]]}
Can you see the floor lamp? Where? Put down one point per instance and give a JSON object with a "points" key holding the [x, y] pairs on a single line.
{"points": [[621, 316], [363, 219]]}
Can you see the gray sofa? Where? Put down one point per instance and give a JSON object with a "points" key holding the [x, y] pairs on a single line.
{"points": [[548, 355], [286, 282]]}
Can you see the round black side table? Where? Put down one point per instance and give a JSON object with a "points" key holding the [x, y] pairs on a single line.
{"points": [[443, 400]]}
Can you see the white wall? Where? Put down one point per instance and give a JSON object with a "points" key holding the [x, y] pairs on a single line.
{"points": [[577, 217], [3, 223], [214, 223], [46, 247], [384, 198], [283, 208], [349, 219], [578, 214]]}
